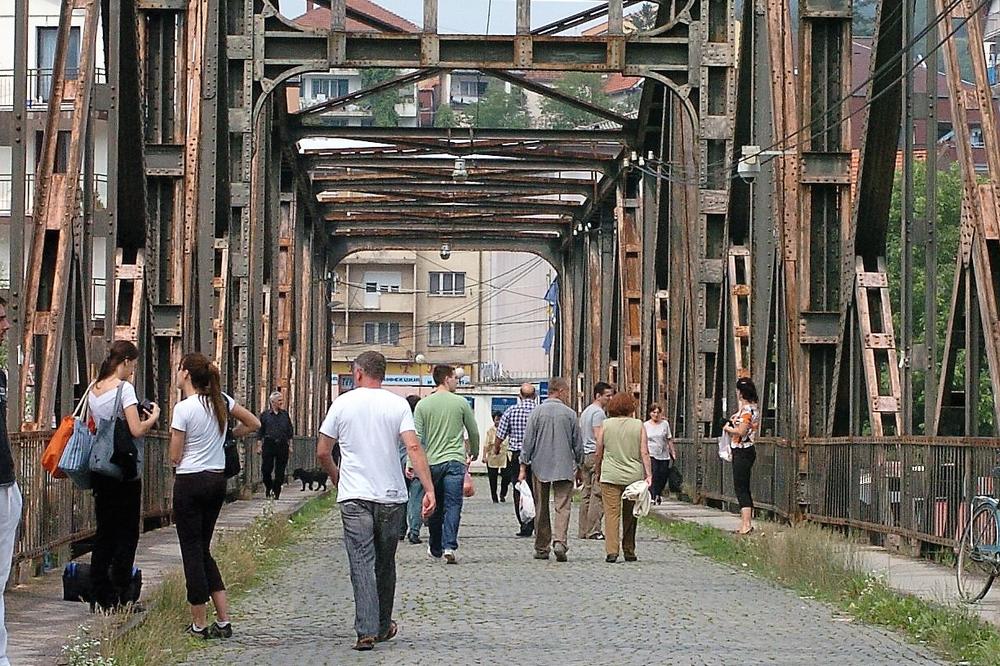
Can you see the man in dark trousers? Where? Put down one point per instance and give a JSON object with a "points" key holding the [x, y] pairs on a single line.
{"points": [[274, 443]]}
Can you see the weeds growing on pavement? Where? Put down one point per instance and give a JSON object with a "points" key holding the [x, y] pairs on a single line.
{"points": [[244, 557], [818, 563]]}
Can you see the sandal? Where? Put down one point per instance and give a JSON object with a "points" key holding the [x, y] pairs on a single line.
{"points": [[742, 533], [364, 643], [390, 633]]}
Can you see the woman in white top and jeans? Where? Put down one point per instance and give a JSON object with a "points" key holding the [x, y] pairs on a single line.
{"points": [[661, 449], [117, 503], [197, 438]]}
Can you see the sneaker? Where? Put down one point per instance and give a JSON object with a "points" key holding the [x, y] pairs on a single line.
{"points": [[198, 633], [449, 556], [430, 554], [541, 556], [503, 499], [219, 631], [597, 537], [611, 558], [631, 558], [415, 539], [560, 550]]}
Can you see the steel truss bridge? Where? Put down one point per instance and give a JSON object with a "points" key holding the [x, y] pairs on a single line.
{"points": [[677, 274]]}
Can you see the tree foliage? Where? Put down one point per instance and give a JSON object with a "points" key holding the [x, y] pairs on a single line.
{"points": [[382, 106], [947, 233], [585, 86], [445, 117], [500, 109]]}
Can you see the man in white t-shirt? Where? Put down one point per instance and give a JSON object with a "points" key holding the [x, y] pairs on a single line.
{"points": [[368, 423]]}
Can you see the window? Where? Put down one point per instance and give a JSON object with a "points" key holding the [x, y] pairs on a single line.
{"points": [[976, 137], [382, 332], [447, 284], [446, 334], [383, 282], [471, 88], [46, 57], [328, 88]]}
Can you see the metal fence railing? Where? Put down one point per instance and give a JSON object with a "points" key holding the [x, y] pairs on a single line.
{"points": [[57, 513], [918, 488]]}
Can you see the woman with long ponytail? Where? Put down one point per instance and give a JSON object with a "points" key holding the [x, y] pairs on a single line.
{"points": [[197, 437], [117, 503]]}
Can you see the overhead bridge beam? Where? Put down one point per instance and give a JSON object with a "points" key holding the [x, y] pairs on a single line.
{"points": [[318, 160], [308, 129], [402, 186], [286, 46]]}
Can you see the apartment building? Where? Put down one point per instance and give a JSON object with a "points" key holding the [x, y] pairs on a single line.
{"points": [[482, 311], [318, 87]]}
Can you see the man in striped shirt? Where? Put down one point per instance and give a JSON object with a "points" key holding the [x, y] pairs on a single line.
{"points": [[511, 428]]}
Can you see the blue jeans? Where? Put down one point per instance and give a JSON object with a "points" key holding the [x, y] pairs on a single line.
{"points": [[413, 506], [448, 478], [371, 533]]}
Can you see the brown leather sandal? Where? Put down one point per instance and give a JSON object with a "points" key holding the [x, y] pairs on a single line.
{"points": [[390, 633], [364, 643]]}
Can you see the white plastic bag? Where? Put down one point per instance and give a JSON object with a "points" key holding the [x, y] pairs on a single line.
{"points": [[527, 501], [725, 447]]}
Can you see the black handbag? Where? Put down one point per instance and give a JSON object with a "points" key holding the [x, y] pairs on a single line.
{"points": [[230, 449]]}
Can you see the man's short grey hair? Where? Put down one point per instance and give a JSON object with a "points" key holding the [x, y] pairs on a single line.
{"points": [[274, 397], [558, 385], [372, 364]]}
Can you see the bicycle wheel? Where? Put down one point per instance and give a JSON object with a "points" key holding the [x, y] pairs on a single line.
{"points": [[975, 572]]}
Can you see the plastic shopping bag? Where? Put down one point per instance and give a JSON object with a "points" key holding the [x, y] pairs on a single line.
{"points": [[468, 487], [527, 501], [725, 447]]}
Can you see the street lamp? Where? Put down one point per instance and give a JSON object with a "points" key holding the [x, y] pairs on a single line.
{"points": [[420, 360]]}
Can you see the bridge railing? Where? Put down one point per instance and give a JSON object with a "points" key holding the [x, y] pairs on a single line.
{"points": [[57, 513], [917, 488]]}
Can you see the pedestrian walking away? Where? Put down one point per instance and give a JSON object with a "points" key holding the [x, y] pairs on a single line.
{"points": [[622, 459], [496, 458], [661, 450], [10, 494], [118, 501], [511, 429], [554, 450], [591, 422], [198, 432], [414, 489], [367, 423], [442, 420], [274, 444], [742, 428]]}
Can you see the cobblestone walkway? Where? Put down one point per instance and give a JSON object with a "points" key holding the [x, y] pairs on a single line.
{"points": [[498, 605]]}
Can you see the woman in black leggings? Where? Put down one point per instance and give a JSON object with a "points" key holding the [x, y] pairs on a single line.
{"points": [[742, 428]]}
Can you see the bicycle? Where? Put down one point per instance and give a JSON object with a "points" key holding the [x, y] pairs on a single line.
{"points": [[979, 550]]}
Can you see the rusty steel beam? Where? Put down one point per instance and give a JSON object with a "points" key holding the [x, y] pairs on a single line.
{"points": [[57, 200], [301, 128]]}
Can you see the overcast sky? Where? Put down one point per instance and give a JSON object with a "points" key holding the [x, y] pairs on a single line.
{"points": [[469, 16]]}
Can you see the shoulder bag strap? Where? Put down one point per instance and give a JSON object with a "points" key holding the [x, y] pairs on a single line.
{"points": [[118, 400], [83, 407]]}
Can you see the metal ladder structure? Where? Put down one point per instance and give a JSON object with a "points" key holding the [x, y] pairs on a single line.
{"points": [[739, 307], [879, 357], [630, 277]]}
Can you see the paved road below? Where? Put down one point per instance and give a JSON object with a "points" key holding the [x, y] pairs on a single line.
{"points": [[498, 605]]}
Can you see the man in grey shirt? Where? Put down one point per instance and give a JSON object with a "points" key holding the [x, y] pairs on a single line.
{"points": [[554, 450], [591, 422]]}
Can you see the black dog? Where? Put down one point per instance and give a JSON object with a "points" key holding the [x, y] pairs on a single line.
{"points": [[311, 476]]}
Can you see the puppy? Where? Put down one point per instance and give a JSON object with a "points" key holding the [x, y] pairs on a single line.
{"points": [[311, 476]]}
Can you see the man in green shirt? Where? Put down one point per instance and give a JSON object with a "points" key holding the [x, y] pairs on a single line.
{"points": [[443, 419]]}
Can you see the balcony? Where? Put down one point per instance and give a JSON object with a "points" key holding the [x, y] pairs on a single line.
{"points": [[100, 190], [362, 301], [39, 87]]}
